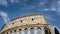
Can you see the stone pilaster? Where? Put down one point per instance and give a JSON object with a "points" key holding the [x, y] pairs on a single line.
{"points": [[35, 30], [9, 32], [28, 30], [17, 31], [22, 30], [42, 30]]}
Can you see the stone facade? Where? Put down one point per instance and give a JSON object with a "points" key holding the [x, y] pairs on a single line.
{"points": [[28, 22]]}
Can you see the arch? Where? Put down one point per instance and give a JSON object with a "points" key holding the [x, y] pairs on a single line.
{"points": [[14, 31], [46, 30], [10, 32], [38, 30], [32, 31], [25, 31]]}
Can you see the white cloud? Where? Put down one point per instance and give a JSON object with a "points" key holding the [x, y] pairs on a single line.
{"points": [[46, 9], [14, 1], [42, 3], [53, 8], [3, 2], [58, 7], [4, 16], [49, 9]]}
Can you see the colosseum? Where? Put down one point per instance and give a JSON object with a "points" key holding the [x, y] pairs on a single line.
{"points": [[28, 24]]}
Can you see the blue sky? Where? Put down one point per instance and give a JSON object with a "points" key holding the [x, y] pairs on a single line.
{"points": [[10, 9]]}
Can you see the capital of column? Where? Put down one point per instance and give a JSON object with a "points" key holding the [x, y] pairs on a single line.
{"points": [[17, 30], [22, 29], [35, 28], [28, 29], [42, 28]]}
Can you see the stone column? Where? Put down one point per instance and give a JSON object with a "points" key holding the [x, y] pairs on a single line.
{"points": [[17, 31], [35, 30], [9, 32], [22, 30], [42, 30], [28, 30]]}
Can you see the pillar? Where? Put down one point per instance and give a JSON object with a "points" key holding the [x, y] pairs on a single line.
{"points": [[22, 30], [35, 30], [28, 30], [9, 32], [42, 30], [17, 31]]}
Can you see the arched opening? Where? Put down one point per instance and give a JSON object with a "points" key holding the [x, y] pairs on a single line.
{"points": [[46, 31], [20, 31], [25, 31], [14, 31], [38, 30], [32, 31]]}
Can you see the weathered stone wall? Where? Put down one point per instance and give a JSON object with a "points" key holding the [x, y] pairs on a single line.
{"points": [[35, 20]]}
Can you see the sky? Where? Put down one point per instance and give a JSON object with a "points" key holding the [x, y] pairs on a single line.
{"points": [[10, 9]]}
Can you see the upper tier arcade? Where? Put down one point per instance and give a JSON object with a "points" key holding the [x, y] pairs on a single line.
{"points": [[32, 19]]}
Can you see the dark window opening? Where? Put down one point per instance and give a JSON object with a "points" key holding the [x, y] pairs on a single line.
{"points": [[26, 24], [12, 23], [46, 31], [32, 19], [14, 30], [21, 21], [19, 29], [38, 23], [10, 31]]}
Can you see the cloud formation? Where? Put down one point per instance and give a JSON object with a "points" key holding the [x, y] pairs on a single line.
{"points": [[58, 7], [14, 1], [4, 16], [3, 2]]}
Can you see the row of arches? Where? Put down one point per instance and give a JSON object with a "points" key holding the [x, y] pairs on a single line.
{"points": [[38, 30], [31, 30]]}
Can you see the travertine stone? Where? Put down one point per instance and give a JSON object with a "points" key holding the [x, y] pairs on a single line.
{"points": [[17, 31], [22, 30], [28, 30], [29, 21], [42, 30], [35, 30]]}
